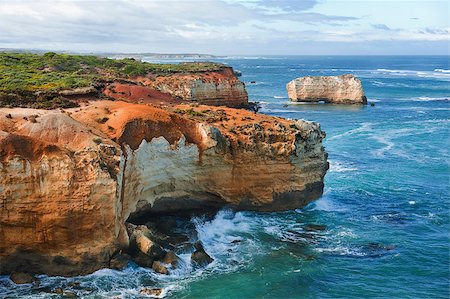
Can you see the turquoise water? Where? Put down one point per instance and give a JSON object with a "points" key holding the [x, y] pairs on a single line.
{"points": [[386, 204]]}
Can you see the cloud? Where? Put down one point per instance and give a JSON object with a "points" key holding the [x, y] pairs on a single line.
{"points": [[381, 27], [214, 26]]}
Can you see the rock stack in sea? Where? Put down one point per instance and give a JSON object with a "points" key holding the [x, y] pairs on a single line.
{"points": [[344, 89]]}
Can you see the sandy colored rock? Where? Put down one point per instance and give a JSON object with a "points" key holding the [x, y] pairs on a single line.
{"points": [[151, 292], [159, 267], [344, 89], [69, 183], [209, 88]]}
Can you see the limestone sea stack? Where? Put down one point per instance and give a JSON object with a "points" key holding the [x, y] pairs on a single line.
{"points": [[344, 89]]}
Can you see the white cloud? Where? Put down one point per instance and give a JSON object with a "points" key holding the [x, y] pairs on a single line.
{"points": [[215, 26]]}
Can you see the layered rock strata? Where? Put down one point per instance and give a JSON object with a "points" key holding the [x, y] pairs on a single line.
{"points": [[344, 89], [70, 178], [209, 88]]}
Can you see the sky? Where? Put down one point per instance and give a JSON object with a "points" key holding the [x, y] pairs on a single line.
{"points": [[230, 27]]}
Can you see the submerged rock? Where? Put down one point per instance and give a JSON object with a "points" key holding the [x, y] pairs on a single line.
{"points": [[22, 278], [314, 227], [344, 89]]}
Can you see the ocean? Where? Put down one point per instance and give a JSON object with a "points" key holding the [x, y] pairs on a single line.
{"points": [[381, 229]]}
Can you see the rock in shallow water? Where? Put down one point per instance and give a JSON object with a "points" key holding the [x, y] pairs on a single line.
{"points": [[119, 261], [159, 267], [171, 258], [22, 278], [151, 292], [201, 258]]}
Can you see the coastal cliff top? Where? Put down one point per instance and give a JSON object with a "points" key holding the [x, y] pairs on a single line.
{"points": [[54, 72]]}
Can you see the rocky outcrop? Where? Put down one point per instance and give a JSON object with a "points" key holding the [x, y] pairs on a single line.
{"points": [[344, 89], [70, 178], [209, 88]]}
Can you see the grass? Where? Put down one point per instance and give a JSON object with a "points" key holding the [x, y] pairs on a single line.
{"points": [[33, 80]]}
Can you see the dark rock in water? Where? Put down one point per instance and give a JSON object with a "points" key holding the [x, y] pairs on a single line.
{"points": [[314, 227], [68, 294], [151, 292], [74, 284], [141, 242], [159, 267], [252, 82], [142, 260], [198, 245], [119, 261], [372, 104], [375, 249], [184, 248], [236, 241], [171, 258], [166, 225], [22, 278], [58, 291], [201, 258]]}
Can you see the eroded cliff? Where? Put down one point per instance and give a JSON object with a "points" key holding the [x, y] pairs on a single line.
{"points": [[209, 88], [71, 178]]}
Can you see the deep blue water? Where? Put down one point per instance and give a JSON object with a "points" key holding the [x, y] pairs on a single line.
{"points": [[386, 205]]}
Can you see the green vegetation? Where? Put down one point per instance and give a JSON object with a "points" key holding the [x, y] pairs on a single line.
{"points": [[53, 72], [34, 80]]}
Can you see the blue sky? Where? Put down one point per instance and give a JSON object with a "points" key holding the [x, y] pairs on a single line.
{"points": [[229, 27]]}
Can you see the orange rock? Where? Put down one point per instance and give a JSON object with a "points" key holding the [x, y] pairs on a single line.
{"points": [[68, 183]]}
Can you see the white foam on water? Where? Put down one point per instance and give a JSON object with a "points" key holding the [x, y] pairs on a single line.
{"points": [[218, 234], [442, 70], [389, 145], [325, 203], [414, 73], [363, 128], [279, 97], [337, 166], [428, 99], [412, 202]]}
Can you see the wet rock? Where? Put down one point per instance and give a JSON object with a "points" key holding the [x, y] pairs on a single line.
{"points": [[166, 225], [198, 245], [140, 243], [142, 260], [22, 278], [119, 261], [314, 227], [68, 294], [74, 284], [236, 241], [171, 258], [58, 291], [151, 292], [159, 267], [184, 248], [201, 258]]}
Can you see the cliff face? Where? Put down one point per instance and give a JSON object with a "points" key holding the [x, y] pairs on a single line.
{"points": [[70, 179], [344, 89], [209, 88]]}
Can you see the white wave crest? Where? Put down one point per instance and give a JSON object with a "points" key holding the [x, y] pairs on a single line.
{"points": [[365, 127], [336, 166]]}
